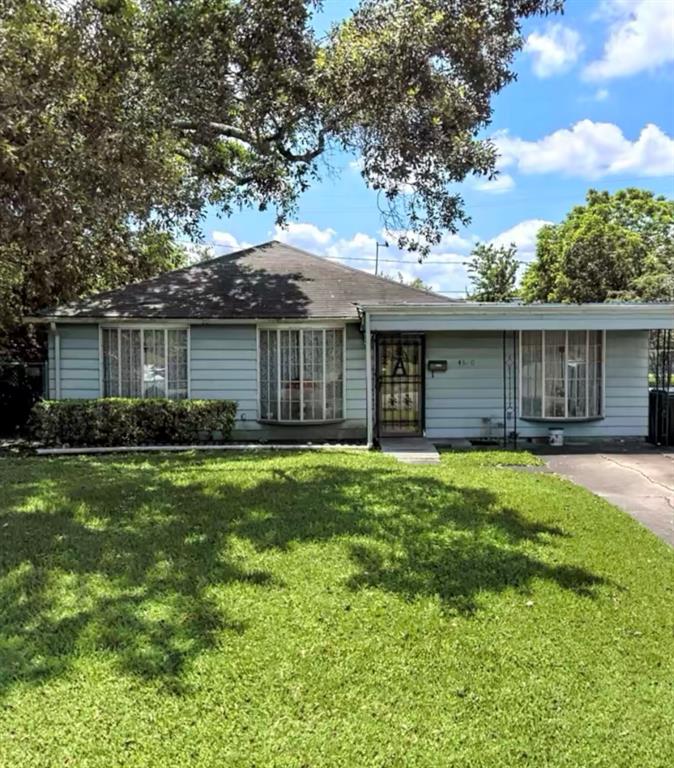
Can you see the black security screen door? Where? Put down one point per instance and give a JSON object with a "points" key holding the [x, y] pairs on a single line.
{"points": [[400, 374]]}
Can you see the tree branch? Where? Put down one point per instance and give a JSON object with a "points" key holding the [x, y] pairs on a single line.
{"points": [[264, 143]]}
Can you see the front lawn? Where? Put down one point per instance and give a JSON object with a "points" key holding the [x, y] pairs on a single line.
{"points": [[320, 610]]}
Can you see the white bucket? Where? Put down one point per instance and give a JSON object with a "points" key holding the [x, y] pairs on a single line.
{"points": [[556, 436]]}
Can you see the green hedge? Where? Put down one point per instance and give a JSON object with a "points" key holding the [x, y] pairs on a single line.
{"points": [[131, 421]]}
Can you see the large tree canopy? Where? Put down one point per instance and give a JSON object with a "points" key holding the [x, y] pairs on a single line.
{"points": [[616, 246], [122, 119]]}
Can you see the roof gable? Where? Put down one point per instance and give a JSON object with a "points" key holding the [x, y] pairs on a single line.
{"points": [[268, 281]]}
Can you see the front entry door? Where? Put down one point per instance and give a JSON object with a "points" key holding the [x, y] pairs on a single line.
{"points": [[400, 385]]}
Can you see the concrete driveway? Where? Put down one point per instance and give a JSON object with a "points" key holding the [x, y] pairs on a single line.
{"points": [[640, 481]]}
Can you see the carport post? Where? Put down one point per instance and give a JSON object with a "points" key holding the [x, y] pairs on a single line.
{"points": [[368, 381]]}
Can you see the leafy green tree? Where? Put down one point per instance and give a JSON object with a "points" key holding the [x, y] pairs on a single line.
{"points": [[616, 246], [122, 115], [493, 272], [414, 282]]}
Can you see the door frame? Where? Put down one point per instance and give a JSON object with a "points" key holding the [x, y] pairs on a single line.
{"points": [[422, 382]]}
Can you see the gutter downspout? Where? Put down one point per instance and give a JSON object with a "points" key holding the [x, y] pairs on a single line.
{"points": [[57, 360], [368, 380]]}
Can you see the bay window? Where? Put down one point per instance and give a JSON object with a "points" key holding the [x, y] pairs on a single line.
{"points": [[301, 374], [145, 362], [561, 374]]}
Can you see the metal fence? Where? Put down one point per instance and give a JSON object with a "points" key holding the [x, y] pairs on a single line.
{"points": [[661, 395], [21, 384]]}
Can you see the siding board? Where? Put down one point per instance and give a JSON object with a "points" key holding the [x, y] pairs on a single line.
{"points": [[80, 377]]}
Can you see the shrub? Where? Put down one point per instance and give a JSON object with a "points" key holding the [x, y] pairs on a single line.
{"points": [[131, 421]]}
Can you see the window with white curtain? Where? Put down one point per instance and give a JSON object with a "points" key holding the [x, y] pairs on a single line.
{"points": [[301, 374], [145, 362], [561, 374]]}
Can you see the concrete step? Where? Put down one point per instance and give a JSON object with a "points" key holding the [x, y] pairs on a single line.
{"points": [[410, 450]]}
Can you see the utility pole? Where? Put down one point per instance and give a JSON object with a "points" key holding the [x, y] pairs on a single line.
{"points": [[376, 260]]}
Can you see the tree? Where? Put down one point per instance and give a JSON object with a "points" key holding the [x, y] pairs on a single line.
{"points": [[119, 115], [89, 190], [616, 246], [493, 272], [413, 282]]}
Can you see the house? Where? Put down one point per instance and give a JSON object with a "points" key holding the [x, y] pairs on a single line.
{"points": [[291, 337]]}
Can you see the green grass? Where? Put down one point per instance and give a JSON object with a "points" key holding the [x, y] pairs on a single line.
{"points": [[327, 610]]}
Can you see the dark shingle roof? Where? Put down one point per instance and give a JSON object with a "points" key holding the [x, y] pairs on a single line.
{"points": [[267, 281]]}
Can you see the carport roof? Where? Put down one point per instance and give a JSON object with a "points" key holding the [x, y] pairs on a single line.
{"points": [[514, 316]]}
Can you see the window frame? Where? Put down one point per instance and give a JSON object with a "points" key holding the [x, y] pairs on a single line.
{"points": [[144, 327], [301, 327], [566, 417]]}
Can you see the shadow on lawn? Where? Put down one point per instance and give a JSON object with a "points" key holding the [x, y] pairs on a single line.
{"points": [[125, 558]]}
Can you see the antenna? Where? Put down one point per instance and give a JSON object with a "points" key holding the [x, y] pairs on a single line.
{"points": [[376, 260]]}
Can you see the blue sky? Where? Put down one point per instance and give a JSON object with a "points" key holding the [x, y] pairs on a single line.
{"points": [[593, 106]]}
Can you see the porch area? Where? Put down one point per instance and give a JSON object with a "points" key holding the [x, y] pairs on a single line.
{"points": [[504, 374]]}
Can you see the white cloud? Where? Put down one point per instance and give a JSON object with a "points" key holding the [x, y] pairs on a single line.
{"points": [[641, 38], [227, 241], [601, 94], [504, 182], [523, 235], [455, 242], [590, 150], [554, 51], [359, 246], [447, 241], [304, 235]]}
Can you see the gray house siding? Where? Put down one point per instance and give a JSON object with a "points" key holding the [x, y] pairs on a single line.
{"points": [[79, 367], [223, 364], [467, 400]]}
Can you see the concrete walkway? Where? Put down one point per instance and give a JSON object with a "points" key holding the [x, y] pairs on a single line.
{"points": [[410, 450], [641, 482]]}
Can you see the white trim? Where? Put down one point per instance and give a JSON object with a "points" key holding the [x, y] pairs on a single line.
{"points": [[301, 371], [161, 321], [313, 325], [324, 356], [149, 326], [587, 374], [100, 361], [603, 373], [216, 447], [189, 363], [142, 361], [566, 417], [566, 375], [509, 309], [636, 316], [119, 363], [258, 388], [166, 364], [542, 374], [464, 316], [57, 361], [518, 401], [344, 372]]}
